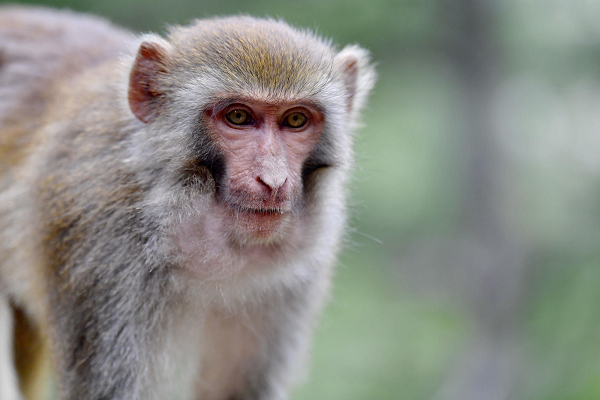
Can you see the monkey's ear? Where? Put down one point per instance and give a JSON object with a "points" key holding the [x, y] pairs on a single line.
{"points": [[144, 93], [354, 65]]}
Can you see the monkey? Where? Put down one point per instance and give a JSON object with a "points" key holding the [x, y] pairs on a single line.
{"points": [[171, 207]]}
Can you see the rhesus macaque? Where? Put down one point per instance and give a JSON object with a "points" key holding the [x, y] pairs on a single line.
{"points": [[170, 208]]}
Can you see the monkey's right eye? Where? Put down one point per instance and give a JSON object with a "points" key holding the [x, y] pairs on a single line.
{"points": [[238, 117]]}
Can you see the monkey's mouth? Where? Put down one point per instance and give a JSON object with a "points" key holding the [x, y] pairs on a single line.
{"points": [[259, 221], [264, 211]]}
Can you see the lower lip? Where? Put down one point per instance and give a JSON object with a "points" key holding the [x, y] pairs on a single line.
{"points": [[259, 223]]}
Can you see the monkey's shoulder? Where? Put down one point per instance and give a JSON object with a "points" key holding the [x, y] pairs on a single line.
{"points": [[40, 50], [40, 32]]}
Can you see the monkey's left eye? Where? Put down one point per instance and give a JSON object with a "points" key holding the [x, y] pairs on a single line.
{"points": [[295, 120], [239, 117]]}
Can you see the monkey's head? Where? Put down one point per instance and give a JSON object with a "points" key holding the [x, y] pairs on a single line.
{"points": [[261, 111]]}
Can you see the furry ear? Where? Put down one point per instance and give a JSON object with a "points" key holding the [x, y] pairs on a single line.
{"points": [[354, 65], [144, 93]]}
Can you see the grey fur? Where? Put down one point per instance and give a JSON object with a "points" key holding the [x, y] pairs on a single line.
{"points": [[89, 210]]}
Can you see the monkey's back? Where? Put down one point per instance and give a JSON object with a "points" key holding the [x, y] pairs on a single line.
{"points": [[39, 48]]}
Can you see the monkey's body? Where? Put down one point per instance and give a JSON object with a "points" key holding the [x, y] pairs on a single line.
{"points": [[129, 248]]}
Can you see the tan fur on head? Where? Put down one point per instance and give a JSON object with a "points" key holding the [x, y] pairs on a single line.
{"points": [[266, 55]]}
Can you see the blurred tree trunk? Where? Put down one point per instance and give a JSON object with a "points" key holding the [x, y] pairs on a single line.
{"points": [[489, 367]]}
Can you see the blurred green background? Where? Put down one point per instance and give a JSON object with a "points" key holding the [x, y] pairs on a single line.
{"points": [[473, 267]]}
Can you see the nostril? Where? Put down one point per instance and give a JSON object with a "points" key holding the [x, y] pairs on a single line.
{"points": [[268, 189], [263, 183], [272, 182], [272, 187]]}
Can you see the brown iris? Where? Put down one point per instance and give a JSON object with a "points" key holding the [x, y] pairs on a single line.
{"points": [[295, 120], [238, 117]]}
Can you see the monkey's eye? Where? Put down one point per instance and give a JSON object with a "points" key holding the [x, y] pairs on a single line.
{"points": [[295, 120], [239, 117]]}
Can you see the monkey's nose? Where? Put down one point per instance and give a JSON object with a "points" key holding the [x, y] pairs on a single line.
{"points": [[273, 173], [272, 183]]}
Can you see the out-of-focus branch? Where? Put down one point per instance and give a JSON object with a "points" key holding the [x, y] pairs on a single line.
{"points": [[488, 368]]}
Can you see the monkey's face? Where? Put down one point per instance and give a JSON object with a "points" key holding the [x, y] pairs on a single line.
{"points": [[251, 132], [264, 146]]}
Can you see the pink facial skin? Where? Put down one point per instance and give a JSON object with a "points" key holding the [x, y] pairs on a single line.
{"points": [[264, 156]]}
